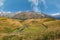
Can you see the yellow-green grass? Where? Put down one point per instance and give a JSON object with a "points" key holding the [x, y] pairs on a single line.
{"points": [[31, 29], [53, 24], [8, 24]]}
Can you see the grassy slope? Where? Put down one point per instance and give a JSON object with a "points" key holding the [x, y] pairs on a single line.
{"points": [[35, 29], [8, 24]]}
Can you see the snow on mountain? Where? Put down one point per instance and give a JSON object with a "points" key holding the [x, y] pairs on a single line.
{"points": [[56, 15]]}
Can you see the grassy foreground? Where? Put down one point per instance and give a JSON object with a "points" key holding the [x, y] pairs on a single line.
{"points": [[31, 29]]}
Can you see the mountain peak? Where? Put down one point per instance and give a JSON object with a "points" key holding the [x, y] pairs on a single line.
{"points": [[31, 15]]}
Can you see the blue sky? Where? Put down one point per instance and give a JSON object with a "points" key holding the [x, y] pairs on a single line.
{"points": [[45, 6]]}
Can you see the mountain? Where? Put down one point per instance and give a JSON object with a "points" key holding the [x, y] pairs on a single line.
{"points": [[7, 14], [24, 15], [30, 15], [56, 16]]}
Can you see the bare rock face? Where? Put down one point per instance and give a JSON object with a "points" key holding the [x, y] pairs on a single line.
{"points": [[30, 15]]}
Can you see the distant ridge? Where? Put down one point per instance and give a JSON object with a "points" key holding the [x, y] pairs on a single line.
{"points": [[56, 16], [24, 15], [7, 14], [30, 15]]}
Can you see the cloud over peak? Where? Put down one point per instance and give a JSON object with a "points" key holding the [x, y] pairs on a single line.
{"points": [[35, 4]]}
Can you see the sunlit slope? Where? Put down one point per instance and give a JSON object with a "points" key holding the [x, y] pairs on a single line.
{"points": [[53, 24], [30, 25], [41, 20], [31, 29], [27, 25], [37, 25], [8, 24]]}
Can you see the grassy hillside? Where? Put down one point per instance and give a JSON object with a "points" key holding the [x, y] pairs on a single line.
{"points": [[8, 24], [31, 29]]}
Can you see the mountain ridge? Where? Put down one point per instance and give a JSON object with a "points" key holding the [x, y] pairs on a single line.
{"points": [[25, 15], [56, 16], [31, 15]]}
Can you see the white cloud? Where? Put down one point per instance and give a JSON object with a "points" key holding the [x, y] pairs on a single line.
{"points": [[1, 3], [35, 8], [9, 12], [6, 12], [44, 3], [55, 14], [35, 4], [19, 12]]}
